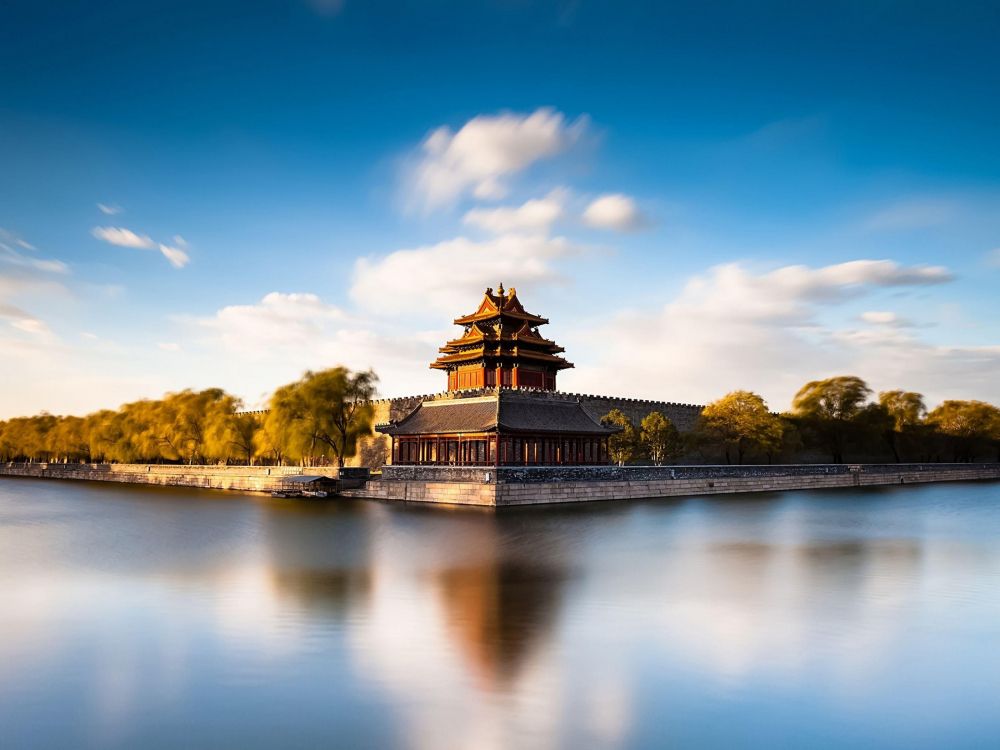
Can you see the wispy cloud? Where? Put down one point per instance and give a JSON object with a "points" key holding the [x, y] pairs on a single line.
{"points": [[480, 156], [10, 238], [884, 318], [33, 326], [177, 257], [47, 265], [123, 237], [111, 209]]}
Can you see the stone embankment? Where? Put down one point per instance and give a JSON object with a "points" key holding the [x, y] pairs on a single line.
{"points": [[509, 486], [239, 478]]}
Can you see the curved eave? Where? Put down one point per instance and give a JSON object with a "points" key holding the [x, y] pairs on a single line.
{"points": [[480, 317]]}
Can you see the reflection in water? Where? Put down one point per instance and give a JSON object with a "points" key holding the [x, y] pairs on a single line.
{"points": [[154, 618], [319, 556], [499, 609]]}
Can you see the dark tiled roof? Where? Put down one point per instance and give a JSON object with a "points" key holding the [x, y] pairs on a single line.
{"points": [[540, 415], [443, 417], [517, 413]]}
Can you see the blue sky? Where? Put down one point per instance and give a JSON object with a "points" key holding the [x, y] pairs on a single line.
{"points": [[701, 197]]}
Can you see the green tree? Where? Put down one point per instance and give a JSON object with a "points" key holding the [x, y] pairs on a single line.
{"points": [[740, 422], [659, 438], [832, 409], [624, 445], [324, 414]]}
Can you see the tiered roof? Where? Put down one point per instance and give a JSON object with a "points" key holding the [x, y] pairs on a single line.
{"points": [[501, 329]]}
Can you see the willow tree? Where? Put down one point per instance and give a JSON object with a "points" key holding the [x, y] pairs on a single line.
{"points": [[904, 412], [740, 422], [625, 444], [659, 437], [833, 410], [969, 425], [27, 437], [231, 435], [68, 439], [324, 414]]}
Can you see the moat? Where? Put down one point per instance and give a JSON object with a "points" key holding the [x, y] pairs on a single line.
{"points": [[165, 617]]}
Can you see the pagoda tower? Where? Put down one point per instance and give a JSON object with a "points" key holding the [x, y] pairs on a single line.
{"points": [[501, 347]]}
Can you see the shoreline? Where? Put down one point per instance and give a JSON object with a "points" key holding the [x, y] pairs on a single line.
{"points": [[518, 485]]}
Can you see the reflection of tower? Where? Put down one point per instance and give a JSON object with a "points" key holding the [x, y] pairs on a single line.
{"points": [[502, 605], [320, 556]]}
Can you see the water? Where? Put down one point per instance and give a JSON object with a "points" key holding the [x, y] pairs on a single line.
{"points": [[159, 617]]}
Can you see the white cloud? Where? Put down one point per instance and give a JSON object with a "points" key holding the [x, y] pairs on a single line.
{"points": [[732, 328], [884, 318], [274, 340], [51, 265], [447, 276], [614, 211], [31, 325], [123, 237], [993, 257], [168, 346], [110, 209], [177, 257], [278, 319], [483, 153], [912, 214], [537, 215]]}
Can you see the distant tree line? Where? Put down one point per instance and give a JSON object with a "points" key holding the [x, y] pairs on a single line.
{"points": [[836, 419], [318, 419]]}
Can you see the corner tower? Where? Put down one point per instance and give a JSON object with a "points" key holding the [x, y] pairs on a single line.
{"points": [[501, 347]]}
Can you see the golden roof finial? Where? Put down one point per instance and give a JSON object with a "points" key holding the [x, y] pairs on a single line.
{"points": [[500, 289]]}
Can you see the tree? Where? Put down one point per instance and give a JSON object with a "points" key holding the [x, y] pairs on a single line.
{"points": [[968, 424], [659, 438], [68, 439], [624, 445], [324, 413], [904, 411], [740, 422], [832, 409], [242, 431]]}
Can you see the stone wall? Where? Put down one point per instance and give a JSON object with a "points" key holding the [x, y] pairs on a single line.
{"points": [[511, 486], [241, 478]]}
